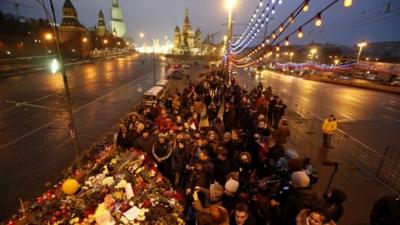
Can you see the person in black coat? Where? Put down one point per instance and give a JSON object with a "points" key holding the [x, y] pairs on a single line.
{"points": [[279, 111], [223, 165], [335, 199], [161, 152], [386, 211], [178, 164]]}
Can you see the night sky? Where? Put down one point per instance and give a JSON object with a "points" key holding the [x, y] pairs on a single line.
{"points": [[365, 20]]}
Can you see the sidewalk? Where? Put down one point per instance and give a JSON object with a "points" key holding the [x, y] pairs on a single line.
{"points": [[362, 189]]}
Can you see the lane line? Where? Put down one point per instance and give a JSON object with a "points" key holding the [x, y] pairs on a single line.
{"points": [[346, 116], [76, 110], [390, 118], [305, 99]]}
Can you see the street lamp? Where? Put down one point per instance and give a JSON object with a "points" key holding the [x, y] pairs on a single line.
{"points": [[313, 51], [154, 59], [336, 61], [291, 56], [47, 37], [84, 40]]}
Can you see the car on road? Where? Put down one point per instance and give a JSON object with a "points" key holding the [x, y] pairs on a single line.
{"points": [[176, 75], [395, 82]]}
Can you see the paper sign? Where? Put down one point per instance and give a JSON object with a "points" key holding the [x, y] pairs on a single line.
{"points": [[128, 191], [132, 213]]}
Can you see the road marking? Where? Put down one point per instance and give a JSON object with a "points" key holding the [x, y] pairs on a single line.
{"points": [[305, 99], [76, 110], [390, 118], [347, 117], [391, 109]]}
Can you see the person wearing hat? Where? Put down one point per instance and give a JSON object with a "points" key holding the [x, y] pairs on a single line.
{"points": [[145, 142], [300, 196], [335, 199], [283, 132], [231, 192], [121, 137], [213, 196]]}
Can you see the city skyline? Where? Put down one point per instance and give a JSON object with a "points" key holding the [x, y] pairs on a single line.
{"points": [[368, 20]]}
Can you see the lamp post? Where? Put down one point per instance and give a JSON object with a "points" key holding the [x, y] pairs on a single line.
{"points": [[361, 45], [154, 59], [291, 56], [47, 37], [313, 51], [230, 5]]}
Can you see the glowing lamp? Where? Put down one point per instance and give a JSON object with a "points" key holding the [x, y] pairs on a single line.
{"points": [[347, 3], [300, 33], [318, 20]]}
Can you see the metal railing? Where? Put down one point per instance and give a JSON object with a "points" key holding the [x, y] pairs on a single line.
{"points": [[383, 166]]}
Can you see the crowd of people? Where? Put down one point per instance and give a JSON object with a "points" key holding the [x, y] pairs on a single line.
{"points": [[225, 148]]}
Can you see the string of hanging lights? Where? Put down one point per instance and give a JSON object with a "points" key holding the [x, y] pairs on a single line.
{"points": [[270, 39], [299, 31], [263, 17]]}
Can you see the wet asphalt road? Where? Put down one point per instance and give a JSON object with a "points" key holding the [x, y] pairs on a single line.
{"points": [[372, 117], [35, 143]]}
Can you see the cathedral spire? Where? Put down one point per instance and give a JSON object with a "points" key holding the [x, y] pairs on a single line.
{"points": [[186, 23], [101, 25]]}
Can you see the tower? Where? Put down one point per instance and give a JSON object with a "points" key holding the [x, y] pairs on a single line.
{"points": [[70, 17], [117, 23], [101, 25], [186, 23]]}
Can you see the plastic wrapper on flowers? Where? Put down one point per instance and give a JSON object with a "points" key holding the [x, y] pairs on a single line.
{"points": [[119, 188]]}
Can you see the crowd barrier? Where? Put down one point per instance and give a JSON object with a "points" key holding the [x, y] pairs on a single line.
{"points": [[381, 165]]}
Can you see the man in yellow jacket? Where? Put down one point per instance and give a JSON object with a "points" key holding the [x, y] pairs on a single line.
{"points": [[328, 127]]}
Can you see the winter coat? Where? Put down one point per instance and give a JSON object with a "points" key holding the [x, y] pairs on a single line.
{"points": [[178, 160], [145, 145], [279, 110], [386, 211], [283, 133], [301, 218], [296, 200], [329, 126]]}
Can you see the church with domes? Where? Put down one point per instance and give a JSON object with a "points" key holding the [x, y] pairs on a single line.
{"points": [[187, 41]]}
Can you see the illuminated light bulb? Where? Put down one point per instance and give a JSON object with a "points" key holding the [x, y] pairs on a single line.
{"points": [[273, 1], [254, 15], [261, 4], [281, 28], [262, 25], [259, 20], [300, 33], [267, 19], [347, 3], [267, 41], [291, 19], [273, 35], [252, 20], [287, 42], [262, 15], [318, 20], [267, 8], [280, 2], [258, 30], [305, 7], [265, 56], [256, 10], [273, 10], [277, 48], [263, 45], [270, 53]]}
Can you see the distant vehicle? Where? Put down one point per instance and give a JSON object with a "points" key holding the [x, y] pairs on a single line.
{"points": [[371, 77], [152, 95], [162, 83], [343, 77], [187, 65], [395, 82], [176, 75]]}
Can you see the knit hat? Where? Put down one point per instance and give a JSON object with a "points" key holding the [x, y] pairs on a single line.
{"points": [[228, 136], [337, 196], [216, 191], [140, 127], [232, 185], [300, 179]]}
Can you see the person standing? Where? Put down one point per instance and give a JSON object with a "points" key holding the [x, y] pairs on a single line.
{"points": [[328, 128]]}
